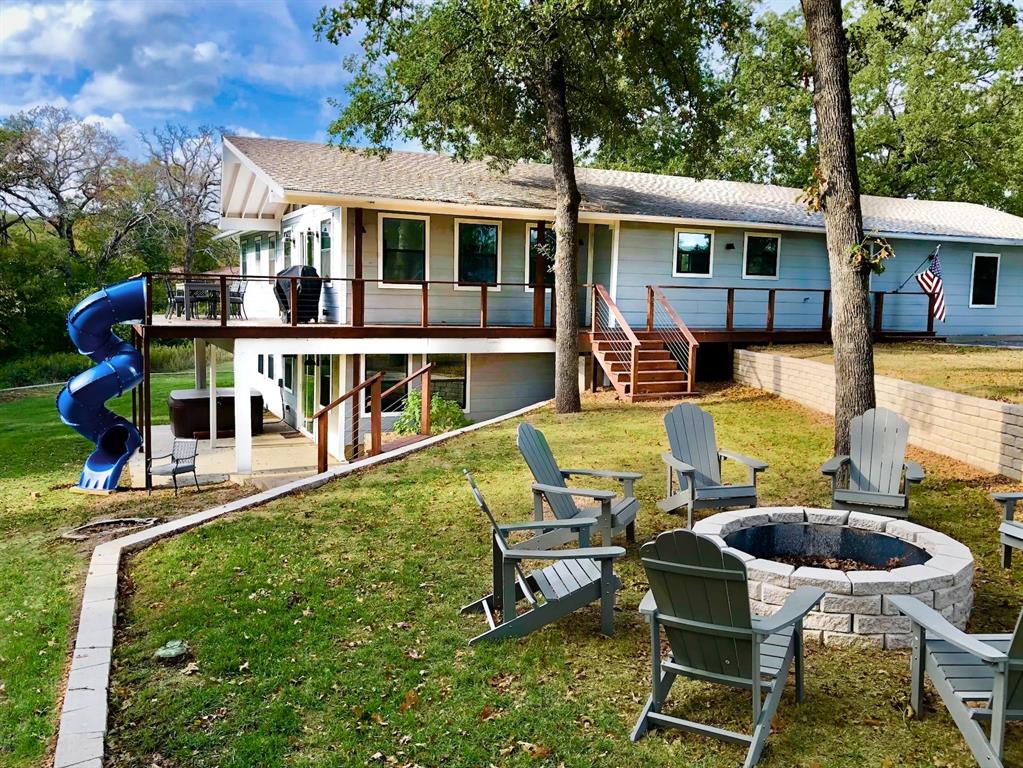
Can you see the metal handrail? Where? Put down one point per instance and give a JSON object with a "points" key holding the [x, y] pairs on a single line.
{"points": [[407, 379]]}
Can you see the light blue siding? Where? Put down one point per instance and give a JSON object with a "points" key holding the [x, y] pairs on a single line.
{"points": [[646, 253]]}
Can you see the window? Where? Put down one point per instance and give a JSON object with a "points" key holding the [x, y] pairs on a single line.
{"points": [[244, 247], [478, 252], [404, 246], [984, 283], [308, 390], [289, 373], [548, 278], [325, 248], [259, 363], [324, 380], [270, 366], [394, 368], [309, 249], [761, 256], [257, 245], [694, 253], [449, 377], [271, 256], [288, 240]]}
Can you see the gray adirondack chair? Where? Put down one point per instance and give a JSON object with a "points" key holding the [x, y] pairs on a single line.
{"points": [[879, 475], [698, 594], [695, 461], [576, 577], [1010, 532], [979, 677], [617, 513]]}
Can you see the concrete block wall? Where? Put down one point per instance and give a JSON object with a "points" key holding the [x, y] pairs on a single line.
{"points": [[983, 433]]}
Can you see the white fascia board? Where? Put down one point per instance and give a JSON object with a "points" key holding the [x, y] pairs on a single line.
{"points": [[276, 190], [418, 346], [229, 226]]}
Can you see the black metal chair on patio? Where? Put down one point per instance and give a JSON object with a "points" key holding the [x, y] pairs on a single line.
{"points": [[175, 299], [237, 298]]}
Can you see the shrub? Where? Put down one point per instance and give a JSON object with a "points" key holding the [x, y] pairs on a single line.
{"points": [[58, 367], [445, 415]]}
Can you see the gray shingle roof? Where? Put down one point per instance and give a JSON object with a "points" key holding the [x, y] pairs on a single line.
{"points": [[416, 176]]}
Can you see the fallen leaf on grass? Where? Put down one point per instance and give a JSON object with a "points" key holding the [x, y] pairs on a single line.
{"points": [[410, 700]]}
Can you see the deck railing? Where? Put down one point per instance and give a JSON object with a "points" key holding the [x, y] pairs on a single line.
{"points": [[662, 317], [373, 383], [613, 334], [295, 300]]}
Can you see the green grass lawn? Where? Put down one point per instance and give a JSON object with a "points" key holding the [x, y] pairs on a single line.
{"points": [[325, 627], [40, 574], [996, 374]]}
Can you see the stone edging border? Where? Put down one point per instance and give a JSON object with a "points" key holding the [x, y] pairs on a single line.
{"points": [[83, 718], [855, 609]]}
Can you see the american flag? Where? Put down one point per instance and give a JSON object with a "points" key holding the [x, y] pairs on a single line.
{"points": [[930, 282]]}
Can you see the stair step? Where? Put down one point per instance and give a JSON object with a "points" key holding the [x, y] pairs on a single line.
{"points": [[647, 387], [654, 377], [643, 355], [647, 365]]}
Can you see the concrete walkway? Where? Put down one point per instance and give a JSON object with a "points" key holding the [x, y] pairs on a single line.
{"points": [[276, 459]]}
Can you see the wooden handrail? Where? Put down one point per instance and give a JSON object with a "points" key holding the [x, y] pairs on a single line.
{"points": [[407, 379], [357, 388], [656, 293], [600, 292]]}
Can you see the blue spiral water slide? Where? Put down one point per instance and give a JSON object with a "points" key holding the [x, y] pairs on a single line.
{"points": [[82, 402]]}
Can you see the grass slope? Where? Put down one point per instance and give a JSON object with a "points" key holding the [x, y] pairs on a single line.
{"points": [[325, 627], [996, 374], [40, 574]]}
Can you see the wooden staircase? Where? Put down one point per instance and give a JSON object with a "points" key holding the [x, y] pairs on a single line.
{"points": [[652, 364]]}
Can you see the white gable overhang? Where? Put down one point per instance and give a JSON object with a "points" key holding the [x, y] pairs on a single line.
{"points": [[250, 201]]}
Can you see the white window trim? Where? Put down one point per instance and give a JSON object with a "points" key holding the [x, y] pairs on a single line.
{"points": [[284, 369], [380, 250], [745, 248], [549, 227], [364, 392], [489, 223], [468, 377], [674, 253], [973, 274], [329, 218]]}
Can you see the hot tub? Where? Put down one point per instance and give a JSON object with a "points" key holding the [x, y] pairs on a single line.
{"points": [[867, 557], [190, 412]]}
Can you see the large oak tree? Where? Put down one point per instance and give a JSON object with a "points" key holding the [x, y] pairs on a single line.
{"points": [[541, 80], [837, 189]]}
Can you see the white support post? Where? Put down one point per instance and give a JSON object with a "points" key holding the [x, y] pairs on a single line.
{"points": [[213, 395], [244, 354]]}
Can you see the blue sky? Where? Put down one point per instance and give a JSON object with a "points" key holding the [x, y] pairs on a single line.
{"points": [[252, 66]]}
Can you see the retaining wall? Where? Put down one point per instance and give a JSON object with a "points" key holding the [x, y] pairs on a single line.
{"points": [[983, 433]]}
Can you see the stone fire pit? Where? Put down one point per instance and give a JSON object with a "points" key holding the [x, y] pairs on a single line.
{"points": [[855, 609]]}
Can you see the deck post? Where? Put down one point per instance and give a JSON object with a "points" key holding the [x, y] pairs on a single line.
{"points": [[930, 313], [691, 373], [358, 371], [293, 308], [730, 311], [770, 309], [649, 308], [358, 284], [199, 353], [424, 313], [147, 411], [213, 396], [826, 310], [424, 407], [375, 426], [225, 304], [483, 305], [539, 272], [878, 311], [321, 443]]}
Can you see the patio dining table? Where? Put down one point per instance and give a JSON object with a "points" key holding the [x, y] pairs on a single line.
{"points": [[200, 292]]}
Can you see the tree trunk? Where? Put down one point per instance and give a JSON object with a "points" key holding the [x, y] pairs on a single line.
{"points": [[566, 223], [190, 235], [843, 220]]}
